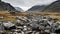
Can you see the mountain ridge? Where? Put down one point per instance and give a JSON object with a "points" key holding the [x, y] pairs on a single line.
{"points": [[37, 8]]}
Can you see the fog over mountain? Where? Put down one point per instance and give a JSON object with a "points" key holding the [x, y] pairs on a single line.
{"points": [[18, 9], [26, 4]]}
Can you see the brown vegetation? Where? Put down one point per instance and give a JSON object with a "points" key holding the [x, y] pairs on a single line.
{"points": [[12, 17]]}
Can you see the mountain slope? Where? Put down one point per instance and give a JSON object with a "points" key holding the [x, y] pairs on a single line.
{"points": [[37, 8], [54, 7], [6, 6]]}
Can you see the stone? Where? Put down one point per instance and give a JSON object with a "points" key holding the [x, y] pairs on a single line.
{"points": [[8, 24]]}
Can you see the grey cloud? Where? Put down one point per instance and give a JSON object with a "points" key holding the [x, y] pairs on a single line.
{"points": [[14, 2]]}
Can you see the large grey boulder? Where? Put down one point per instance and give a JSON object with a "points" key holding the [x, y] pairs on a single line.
{"points": [[8, 24]]}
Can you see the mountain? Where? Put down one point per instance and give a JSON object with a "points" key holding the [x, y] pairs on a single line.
{"points": [[37, 8], [53, 7], [6, 6], [18, 9]]}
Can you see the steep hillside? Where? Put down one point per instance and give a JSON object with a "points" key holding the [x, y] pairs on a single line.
{"points": [[54, 7], [6, 6]]}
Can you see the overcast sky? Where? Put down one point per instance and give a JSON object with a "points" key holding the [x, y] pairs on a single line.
{"points": [[26, 4]]}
